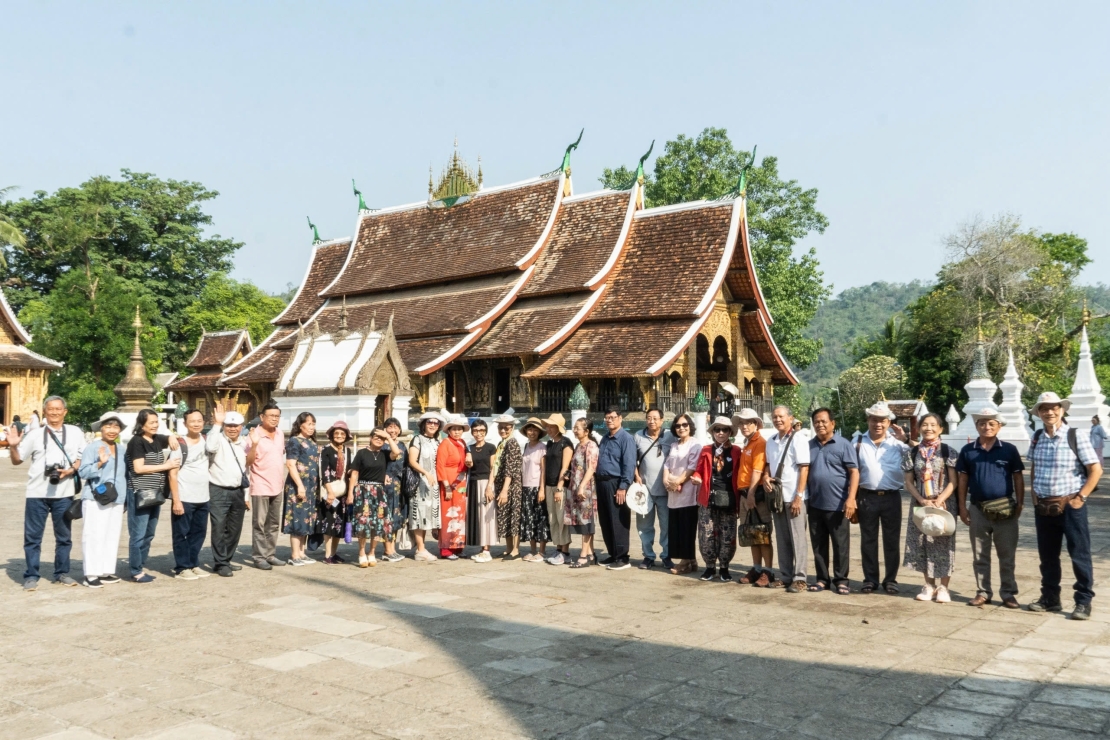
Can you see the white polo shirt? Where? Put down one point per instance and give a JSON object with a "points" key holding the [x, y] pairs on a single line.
{"points": [[880, 466], [796, 457], [38, 450]]}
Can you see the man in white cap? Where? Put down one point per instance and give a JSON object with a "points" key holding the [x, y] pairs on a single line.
{"points": [[1064, 471], [227, 487], [879, 499], [991, 493]]}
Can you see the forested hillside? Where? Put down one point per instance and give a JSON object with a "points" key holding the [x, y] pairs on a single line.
{"points": [[854, 313]]}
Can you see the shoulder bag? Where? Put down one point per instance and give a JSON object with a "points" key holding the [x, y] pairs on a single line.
{"points": [[74, 510], [105, 491], [754, 531], [410, 479], [774, 498]]}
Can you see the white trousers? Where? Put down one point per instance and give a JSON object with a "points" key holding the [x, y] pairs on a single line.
{"points": [[100, 537], [487, 516]]}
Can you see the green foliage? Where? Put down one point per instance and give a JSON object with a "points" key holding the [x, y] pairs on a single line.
{"points": [[88, 324], [138, 228], [286, 296], [621, 178], [930, 338], [779, 214], [853, 317], [863, 384], [225, 304], [888, 342], [10, 235]]}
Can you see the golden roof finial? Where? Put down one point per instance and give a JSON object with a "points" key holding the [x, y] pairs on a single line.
{"points": [[479, 171], [1086, 313]]}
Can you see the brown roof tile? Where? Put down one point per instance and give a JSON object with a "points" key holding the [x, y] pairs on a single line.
{"points": [[527, 324], [615, 349], [741, 278], [197, 381], [582, 239], [488, 233], [216, 348], [265, 369], [418, 352], [267, 346], [668, 264], [759, 340], [326, 262], [19, 357]]}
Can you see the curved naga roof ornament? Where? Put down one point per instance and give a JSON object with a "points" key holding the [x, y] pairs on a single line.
{"points": [[565, 166], [362, 207], [315, 232]]}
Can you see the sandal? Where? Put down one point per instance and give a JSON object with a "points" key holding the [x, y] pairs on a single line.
{"points": [[867, 588], [750, 577], [817, 587], [581, 563], [843, 589], [892, 589]]}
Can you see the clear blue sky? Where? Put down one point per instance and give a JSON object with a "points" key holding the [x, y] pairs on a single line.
{"points": [[908, 117]]}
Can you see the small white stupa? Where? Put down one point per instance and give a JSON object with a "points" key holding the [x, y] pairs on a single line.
{"points": [[953, 418], [1012, 412], [980, 397], [1087, 398]]}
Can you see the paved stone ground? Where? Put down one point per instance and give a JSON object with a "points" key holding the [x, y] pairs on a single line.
{"points": [[465, 650]]}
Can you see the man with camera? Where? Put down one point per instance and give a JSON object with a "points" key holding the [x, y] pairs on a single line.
{"points": [[54, 451]]}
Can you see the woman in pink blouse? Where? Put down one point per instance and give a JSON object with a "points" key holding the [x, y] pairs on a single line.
{"points": [[682, 495]]}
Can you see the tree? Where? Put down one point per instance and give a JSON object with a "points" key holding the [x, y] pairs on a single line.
{"points": [[863, 384], [779, 214], [225, 303], [87, 321], [10, 235], [888, 342], [138, 228], [1013, 284]]}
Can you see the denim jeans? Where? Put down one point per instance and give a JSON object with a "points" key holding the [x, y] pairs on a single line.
{"points": [[645, 525], [1073, 526], [189, 530], [35, 513], [141, 524]]}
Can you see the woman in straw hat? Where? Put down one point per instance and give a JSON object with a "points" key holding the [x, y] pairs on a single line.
{"points": [[717, 471], [556, 468], [534, 524], [506, 472], [331, 517], [930, 472], [424, 505], [451, 471], [580, 502]]}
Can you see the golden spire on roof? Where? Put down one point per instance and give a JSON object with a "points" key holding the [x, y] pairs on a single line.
{"points": [[456, 179]]}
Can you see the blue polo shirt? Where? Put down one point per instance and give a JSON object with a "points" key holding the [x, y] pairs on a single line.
{"points": [[990, 473], [829, 464]]}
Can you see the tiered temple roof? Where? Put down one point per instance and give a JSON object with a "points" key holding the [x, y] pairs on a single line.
{"points": [[587, 285], [215, 351]]}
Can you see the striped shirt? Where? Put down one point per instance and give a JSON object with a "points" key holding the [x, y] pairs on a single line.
{"points": [[1057, 471], [152, 453]]}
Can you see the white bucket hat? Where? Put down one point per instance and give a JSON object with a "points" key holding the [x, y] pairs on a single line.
{"points": [[636, 497], [1048, 398], [988, 416], [106, 417], [881, 410], [722, 421], [934, 521], [505, 418], [746, 415], [457, 420], [432, 416]]}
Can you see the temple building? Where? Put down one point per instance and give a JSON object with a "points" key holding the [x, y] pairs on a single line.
{"points": [[24, 375], [510, 296], [215, 351]]}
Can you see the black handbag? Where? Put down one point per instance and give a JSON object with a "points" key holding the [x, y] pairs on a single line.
{"points": [[720, 499], [105, 492], [74, 510]]}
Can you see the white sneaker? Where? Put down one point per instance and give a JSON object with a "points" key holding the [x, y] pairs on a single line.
{"points": [[556, 559], [295, 563], [943, 597], [926, 593], [425, 556], [200, 573], [482, 557], [185, 575], [306, 560]]}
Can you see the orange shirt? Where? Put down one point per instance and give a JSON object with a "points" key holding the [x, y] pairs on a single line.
{"points": [[753, 459]]}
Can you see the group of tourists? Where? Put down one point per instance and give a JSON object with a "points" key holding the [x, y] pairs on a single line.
{"points": [[439, 495]]}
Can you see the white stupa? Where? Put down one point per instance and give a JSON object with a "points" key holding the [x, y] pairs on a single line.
{"points": [[953, 418], [1087, 398], [980, 397], [1012, 412]]}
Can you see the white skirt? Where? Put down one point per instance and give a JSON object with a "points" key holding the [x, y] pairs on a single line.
{"points": [[100, 537]]}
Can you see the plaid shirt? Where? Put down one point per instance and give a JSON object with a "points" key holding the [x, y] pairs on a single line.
{"points": [[1056, 472]]}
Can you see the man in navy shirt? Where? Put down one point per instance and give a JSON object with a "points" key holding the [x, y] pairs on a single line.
{"points": [[616, 465], [833, 479], [990, 471]]}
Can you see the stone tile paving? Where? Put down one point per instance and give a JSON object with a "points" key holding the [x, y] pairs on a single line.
{"points": [[518, 650]]}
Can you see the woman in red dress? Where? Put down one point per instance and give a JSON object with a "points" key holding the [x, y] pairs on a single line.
{"points": [[451, 471]]}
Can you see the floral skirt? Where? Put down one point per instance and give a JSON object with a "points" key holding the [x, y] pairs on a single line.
{"points": [[300, 516], [331, 521], [935, 557], [508, 514], [394, 506], [534, 524], [371, 517]]}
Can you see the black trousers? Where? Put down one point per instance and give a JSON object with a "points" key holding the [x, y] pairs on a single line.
{"points": [[824, 526], [226, 509], [614, 519], [877, 511]]}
